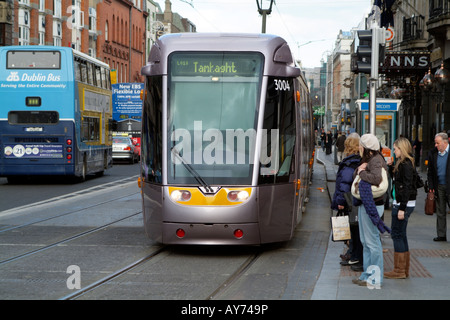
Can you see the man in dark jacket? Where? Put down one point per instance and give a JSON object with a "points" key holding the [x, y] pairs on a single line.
{"points": [[340, 146], [439, 182]]}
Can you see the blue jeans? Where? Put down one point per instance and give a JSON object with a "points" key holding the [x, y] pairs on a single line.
{"points": [[372, 249], [399, 229]]}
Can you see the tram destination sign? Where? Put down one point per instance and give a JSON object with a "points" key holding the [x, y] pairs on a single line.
{"points": [[215, 65]]}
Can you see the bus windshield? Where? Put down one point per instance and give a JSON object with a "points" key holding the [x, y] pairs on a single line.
{"points": [[212, 116], [34, 60]]}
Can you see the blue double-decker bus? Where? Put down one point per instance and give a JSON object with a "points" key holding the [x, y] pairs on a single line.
{"points": [[55, 113]]}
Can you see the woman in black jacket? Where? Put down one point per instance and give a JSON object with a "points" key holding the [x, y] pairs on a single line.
{"points": [[404, 193]]}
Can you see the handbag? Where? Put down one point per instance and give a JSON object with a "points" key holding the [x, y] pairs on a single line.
{"points": [[340, 227], [430, 204], [377, 191]]}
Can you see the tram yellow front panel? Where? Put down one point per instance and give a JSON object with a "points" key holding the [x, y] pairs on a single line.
{"points": [[221, 198]]}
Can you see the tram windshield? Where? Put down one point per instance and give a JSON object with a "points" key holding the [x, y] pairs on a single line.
{"points": [[212, 116]]}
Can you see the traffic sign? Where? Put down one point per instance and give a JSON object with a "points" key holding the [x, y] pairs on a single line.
{"points": [[390, 34]]}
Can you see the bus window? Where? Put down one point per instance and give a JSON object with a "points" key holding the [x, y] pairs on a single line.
{"points": [[89, 73], [77, 67], [90, 129], [98, 76], [104, 84], [108, 79], [83, 71], [34, 60]]}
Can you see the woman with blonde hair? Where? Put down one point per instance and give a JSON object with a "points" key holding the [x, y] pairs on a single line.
{"points": [[404, 193], [344, 179]]}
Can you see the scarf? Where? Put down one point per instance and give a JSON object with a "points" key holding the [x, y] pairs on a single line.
{"points": [[365, 191]]}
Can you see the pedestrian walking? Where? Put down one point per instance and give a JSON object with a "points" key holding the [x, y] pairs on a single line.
{"points": [[340, 146], [371, 211], [404, 194], [438, 177], [329, 142], [323, 138]]}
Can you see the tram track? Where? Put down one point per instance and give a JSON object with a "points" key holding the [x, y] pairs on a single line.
{"points": [[61, 215], [113, 276], [54, 244], [69, 196], [235, 276], [42, 208], [130, 271]]}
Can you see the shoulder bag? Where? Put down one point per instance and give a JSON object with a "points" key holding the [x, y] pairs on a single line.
{"points": [[377, 191]]}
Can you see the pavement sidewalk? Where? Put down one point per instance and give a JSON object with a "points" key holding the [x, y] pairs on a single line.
{"points": [[430, 261]]}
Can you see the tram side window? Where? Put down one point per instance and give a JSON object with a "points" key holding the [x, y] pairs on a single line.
{"points": [[90, 129], [151, 140], [278, 143]]}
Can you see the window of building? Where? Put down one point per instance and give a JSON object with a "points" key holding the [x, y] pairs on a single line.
{"points": [[24, 27], [57, 35], [57, 8], [41, 29]]}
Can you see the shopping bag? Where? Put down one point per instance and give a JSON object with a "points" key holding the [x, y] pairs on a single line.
{"points": [[430, 204], [340, 227]]}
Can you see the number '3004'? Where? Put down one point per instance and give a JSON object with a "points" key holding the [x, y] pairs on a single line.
{"points": [[282, 85]]}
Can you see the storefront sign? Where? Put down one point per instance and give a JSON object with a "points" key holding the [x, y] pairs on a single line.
{"points": [[396, 61]]}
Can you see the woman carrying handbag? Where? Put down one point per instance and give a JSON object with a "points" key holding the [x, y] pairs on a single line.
{"points": [[344, 179], [371, 211], [404, 194]]}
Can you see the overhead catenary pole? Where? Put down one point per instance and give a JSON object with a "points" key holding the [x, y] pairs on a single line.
{"points": [[378, 38], [264, 13]]}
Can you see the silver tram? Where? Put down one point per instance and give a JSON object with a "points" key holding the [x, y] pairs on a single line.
{"points": [[227, 140]]}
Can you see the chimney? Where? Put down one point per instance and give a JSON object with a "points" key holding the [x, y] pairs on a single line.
{"points": [[168, 12]]}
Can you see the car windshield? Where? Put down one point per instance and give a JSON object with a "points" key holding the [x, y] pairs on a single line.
{"points": [[121, 140]]}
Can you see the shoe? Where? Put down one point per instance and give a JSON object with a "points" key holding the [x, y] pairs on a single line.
{"points": [[361, 283], [440, 239], [408, 258], [345, 257], [399, 271], [350, 262]]}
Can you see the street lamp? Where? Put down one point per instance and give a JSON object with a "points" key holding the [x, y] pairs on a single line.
{"points": [[264, 12]]}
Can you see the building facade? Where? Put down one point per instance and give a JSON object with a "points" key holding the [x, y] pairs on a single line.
{"points": [[417, 69], [118, 32]]}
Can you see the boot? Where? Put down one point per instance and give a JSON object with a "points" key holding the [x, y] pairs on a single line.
{"points": [[399, 267], [407, 264]]}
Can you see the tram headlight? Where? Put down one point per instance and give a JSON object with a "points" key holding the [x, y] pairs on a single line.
{"points": [[238, 196], [180, 195]]}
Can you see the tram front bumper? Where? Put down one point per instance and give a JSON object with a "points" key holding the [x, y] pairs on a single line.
{"points": [[211, 234]]}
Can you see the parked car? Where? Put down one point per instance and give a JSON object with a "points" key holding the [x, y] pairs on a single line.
{"points": [[123, 149]]}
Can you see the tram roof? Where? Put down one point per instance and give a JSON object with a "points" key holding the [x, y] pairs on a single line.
{"points": [[278, 56]]}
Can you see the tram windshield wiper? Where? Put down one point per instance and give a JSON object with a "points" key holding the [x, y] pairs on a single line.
{"points": [[192, 171]]}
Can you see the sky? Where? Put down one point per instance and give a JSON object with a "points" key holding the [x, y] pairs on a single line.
{"points": [[309, 26]]}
